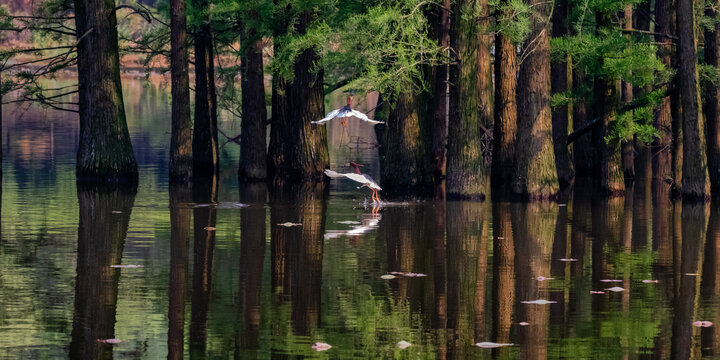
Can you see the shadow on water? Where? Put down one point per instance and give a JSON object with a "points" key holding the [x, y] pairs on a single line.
{"points": [[103, 224], [180, 220]]}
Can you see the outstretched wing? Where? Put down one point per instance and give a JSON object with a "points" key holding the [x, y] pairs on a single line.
{"points": [[327, 117], [352, 176], [364, 117]]}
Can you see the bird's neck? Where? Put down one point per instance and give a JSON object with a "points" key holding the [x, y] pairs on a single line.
{"points": [[348, 101], [357, 170]]}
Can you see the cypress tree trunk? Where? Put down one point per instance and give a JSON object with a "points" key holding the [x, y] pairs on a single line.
{"points": [[205, 138], [610, 169], [307, 150], [712, 105], [584, 154], [695, 182], [278, 125], [559, 84], [505, 126], [105, 153], [440, 95], [535, 174], [485, 70], [661, 147], [181, 138], [253, 159], [465, 168], [628, 149], [404, 168]]}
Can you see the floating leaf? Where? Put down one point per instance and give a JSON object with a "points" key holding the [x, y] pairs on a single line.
{"points": [[403, 344], [415, 275], [615, 289], [109, 341], [289, 224], [209, 228], [387, 277], [610, 280], [348, 222], [126, 266], [654, 281], [539, 302], [561, 205], [568, 260], [321, 346], [596, 292], [491, 345], [523, 323], [501, 238], [542, 278], [702, 323], [397, 273], [691, 274], [117, 212]]}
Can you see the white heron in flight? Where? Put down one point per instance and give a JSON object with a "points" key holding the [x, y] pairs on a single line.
{"points": [[346, 112], [363, 179]]}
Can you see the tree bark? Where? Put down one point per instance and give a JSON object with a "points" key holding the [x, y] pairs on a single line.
{"points": [[695, 182], [661, 147], [505, 126], [405, 166], [610, 161], [181, 159], [465, 168], [559, 84], [279, 131], [627, 145], [440, 95], [712, 105], [485, 70], [535, 174], [205, 134], [253, 158], [105, 154], [584, 154]]}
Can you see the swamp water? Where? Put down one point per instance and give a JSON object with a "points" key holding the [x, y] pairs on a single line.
{"points": [[208, 272]]}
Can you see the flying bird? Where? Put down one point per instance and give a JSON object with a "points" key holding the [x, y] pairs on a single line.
{"points": [[346, 112], [363, 179]]}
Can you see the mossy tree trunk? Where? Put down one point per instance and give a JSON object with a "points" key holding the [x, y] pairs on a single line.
{"points": [[584, 154], [535, 174], [205, 134], [465, 168], [610, 161], [253, 157], [662, 146], [104, 154], [712, 105], [181, 162], [505, 125], [485, 69], [627, 145], [559, 84], [440, 94], [695, 182], [405, 168]]}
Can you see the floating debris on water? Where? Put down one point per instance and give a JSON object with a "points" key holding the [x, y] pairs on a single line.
{"points": [[387, 277], [615, 289], [611, 280], [491, 345], [209, 228], [542, 278], [539, 302], [289, 224], [348, 222], [596, 292], [129, 266], [568, 260], [117, 212], [321, 346], [109, 341], [691, 274], [654, 281], [402, 344], [561, 205], [523, 323]]}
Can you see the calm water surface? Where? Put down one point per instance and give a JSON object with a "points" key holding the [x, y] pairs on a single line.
{"points": [[224, 280]]}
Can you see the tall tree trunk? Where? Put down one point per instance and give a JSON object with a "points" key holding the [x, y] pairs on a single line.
{"points": [[610, 161], [559, 84], [279, 131], [627, 146], [205, 138], [307, 150], [440, 94], [712, 105], [180, 218], [505, 126], [181, 138], [405, 166], [485, 70], [253, 158], [465, 168], [661, 147], [584, 154], [695, 182], [535, 174], [105, 154]]}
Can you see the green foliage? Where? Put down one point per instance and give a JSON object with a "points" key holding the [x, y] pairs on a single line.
{"points": [[515, 19]]}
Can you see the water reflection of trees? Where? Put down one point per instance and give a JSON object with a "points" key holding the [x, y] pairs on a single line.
{"points": [[101, 237], [180, 220]]}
